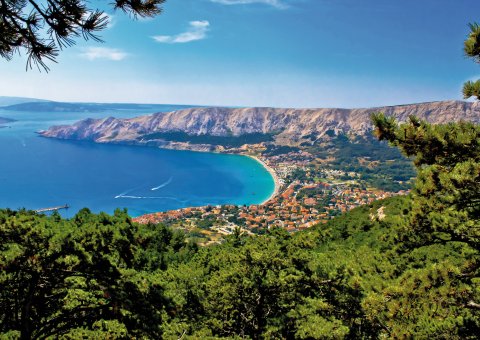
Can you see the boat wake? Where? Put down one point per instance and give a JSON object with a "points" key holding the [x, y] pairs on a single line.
{"points": [[127, 194], [123, 194], [151, 197], [163, 184]]}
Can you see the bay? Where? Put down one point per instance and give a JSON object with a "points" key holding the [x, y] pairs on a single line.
{"points": [[37, 172]]}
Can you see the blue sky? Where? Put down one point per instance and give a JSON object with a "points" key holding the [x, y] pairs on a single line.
{"points": [[284, 53]]}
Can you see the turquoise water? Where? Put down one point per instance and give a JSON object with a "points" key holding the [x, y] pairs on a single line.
{"points": [[37, 172]]}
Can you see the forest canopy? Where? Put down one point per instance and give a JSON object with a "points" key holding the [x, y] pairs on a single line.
{"points": [[403, 267]]}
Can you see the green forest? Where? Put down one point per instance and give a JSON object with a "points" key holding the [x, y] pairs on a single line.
{"points": [[399, 268], [226, 141], [405, 267], [378, 164]]}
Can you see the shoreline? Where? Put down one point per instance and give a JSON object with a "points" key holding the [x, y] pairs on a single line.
{"points": [[270, 170], [274, 175]]}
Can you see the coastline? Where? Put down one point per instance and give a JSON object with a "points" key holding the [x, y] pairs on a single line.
{"points": [[203, 149], [272, 172]]}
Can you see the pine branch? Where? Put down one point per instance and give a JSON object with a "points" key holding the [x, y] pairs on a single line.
{"points": [[45, 30]]}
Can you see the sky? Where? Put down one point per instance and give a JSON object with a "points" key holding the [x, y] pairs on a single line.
{"points": [[280, 53]]}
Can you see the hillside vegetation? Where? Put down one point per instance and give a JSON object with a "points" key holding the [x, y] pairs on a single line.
{"points": [[399, 268]]}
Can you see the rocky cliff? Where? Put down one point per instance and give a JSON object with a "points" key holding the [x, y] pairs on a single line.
{"points": [[288, 126]]}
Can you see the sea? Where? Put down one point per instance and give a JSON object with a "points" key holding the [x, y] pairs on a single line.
{"points": [[38, 172]]}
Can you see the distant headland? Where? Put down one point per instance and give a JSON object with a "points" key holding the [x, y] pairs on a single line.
{"points": [[4, 121], [221, 129]]}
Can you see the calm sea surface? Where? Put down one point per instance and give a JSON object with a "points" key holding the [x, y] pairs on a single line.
{"points": [[37, 172]]}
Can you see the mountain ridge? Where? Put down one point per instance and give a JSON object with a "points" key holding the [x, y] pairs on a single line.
{"points": [[288, 126]]}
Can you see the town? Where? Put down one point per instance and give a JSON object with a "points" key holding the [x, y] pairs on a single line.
{"points": [[306, 196]]}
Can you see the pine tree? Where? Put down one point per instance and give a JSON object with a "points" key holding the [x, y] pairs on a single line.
{"points": [[437, 291], [472, 50], [446, 195]]}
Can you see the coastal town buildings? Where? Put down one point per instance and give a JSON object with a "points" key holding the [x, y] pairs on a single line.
{"points": [[296, 204]]}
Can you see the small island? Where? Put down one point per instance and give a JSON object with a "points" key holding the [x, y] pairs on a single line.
{"points": [[4, 121]]}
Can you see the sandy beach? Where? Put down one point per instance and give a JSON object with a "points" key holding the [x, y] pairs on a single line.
{"points": [[274, 175]]}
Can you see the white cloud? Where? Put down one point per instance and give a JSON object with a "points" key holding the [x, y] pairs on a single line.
{"points": [[274, 3], [114, 54], [111, 20], [197, 31]]}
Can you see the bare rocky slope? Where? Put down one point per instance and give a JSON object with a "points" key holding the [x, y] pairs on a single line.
{"points": [[289, 126]]}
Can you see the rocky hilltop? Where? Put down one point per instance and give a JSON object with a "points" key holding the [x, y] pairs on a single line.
{"points": [[285, 126]]}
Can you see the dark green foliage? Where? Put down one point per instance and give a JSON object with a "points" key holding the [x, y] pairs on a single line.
{"points": [[378, 164], [207, 222], [374, 272], [226, 141], [392, 269], [472, 43], [274, 150], [406, 267], [44, 28], [297, 174], [264, 287], [438, 290], [447, 190], [472, 50], [93, 275], [471, 89]]}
